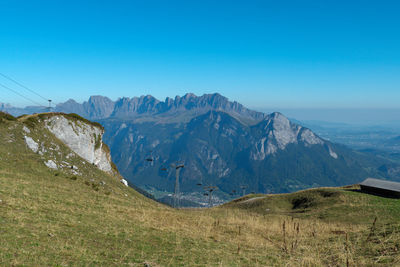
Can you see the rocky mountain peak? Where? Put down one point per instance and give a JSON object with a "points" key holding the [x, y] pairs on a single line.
{"points": [[188, 106], [276, 132], [129, 107], [189, 95], [99, 100], [99, 107], [70, 102]]}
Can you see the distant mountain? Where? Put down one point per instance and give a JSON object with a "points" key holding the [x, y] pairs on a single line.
{"points": [[97, 107], [21, 111], [272, 156], [148, 108], [223, 144]]}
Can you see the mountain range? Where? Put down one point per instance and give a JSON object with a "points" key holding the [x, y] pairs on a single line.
{"points": [[221, 143], [148, 108], [63, 203], [15, 111]]}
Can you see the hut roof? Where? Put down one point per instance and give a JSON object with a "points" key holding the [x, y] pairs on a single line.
{"points": [[387, 185]]}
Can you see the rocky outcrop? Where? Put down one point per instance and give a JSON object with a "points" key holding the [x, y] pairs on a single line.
{"points": [[34, 146], [51, 164], [124, 182], [82, 137], [276, 132]]}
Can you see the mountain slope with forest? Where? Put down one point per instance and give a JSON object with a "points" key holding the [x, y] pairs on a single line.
{"points": [[55, 217], [272, 156], [222, 144]]}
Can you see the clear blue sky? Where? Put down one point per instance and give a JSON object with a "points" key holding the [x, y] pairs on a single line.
{"points": [[264, 54]]}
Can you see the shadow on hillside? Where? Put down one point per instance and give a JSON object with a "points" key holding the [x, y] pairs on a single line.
{"points": [[379, 194]]}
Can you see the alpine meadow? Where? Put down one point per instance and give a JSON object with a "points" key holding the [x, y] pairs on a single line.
{"points": [[199, 133]]}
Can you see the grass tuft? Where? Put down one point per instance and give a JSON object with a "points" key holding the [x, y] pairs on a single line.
{"points": [[48, 221], [6, 117]]}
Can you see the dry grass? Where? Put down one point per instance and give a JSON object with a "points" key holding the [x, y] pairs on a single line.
{"points": [[54, 220]]}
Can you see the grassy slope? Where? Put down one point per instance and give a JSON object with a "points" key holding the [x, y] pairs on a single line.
{"points": [[335, 205], [52, 218]]}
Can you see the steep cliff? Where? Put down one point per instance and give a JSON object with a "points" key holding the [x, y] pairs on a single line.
{"points": [[83, 137]]}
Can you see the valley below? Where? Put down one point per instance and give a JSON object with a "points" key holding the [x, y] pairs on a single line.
{"points": [[225, 145], [199, 133], [84, 216]]}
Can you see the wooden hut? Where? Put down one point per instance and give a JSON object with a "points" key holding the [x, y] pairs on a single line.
{"points": [[381, 187]]}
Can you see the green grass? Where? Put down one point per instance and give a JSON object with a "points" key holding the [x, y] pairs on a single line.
{"points": [[339, 205], [6, 117], [34, 119], [56, 218]]}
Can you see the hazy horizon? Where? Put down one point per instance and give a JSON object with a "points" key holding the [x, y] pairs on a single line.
{"points": [[389, 117]]}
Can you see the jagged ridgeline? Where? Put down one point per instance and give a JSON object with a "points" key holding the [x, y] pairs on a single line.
{"points": [[222, 144], [62, 205], [271, 156]]}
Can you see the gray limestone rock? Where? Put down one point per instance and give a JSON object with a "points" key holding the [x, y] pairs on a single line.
{"points": [[83, 138], [51, 164], [31, 144], [125, 182]]}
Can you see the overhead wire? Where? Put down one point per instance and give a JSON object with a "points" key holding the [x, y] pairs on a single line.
{"points": [[23, 86], [26, 98]]}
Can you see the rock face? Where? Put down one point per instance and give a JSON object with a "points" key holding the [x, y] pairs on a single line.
{"points": [[51, 164], [97, 107], [150, 108], [275, 132], [221, 143], [275, 155], [83, 138], [34, 146], [125, 182]]}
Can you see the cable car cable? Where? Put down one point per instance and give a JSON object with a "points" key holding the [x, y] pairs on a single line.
{"points": [[23, 86], [26, 98]]}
